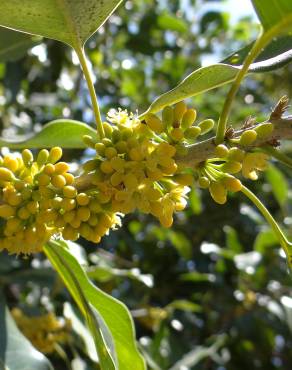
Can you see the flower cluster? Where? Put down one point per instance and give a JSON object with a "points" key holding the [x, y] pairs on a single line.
{"points": [[216, 174], [134, 168], [45, 331]]}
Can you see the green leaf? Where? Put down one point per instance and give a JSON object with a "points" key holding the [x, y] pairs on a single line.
{"points": [[99, 331], [201, 80], [69, 21], [198, 277], [114, 313], [16, 352], [196, 355], [276, 55], [265, 239], [81, 330], [279, 184], [14, 45], [63, 132], [272, 12], [167, 21]]}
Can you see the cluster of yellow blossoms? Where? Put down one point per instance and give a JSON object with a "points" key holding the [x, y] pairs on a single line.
{"points": [[45, 331], [217, 173], [134, 168]]}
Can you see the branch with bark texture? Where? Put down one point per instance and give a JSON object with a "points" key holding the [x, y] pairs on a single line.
{"points": [[204, 150]]}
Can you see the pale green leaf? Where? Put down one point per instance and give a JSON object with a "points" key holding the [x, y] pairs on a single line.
{"points": [[272, 12], [16, 352], [114, 313], [63, 132], [69, 21], [201, 80]]}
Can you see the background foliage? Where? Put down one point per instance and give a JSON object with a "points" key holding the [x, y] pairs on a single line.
{"points": [[213, 291]]}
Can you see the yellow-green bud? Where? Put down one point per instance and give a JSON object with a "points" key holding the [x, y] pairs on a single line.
{"points": [[264, 130], [206, 126], [42, 157], [88, 141], [154, 123], [188, 119], [221, 151], [55, 155], [167, 116], [247, 137], [178, 112], [218, 192], [192, 133], [6, 174], [204, 182], [27, 157]]}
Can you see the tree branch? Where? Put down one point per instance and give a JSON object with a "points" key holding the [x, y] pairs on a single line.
{"points": [[204, 150]]}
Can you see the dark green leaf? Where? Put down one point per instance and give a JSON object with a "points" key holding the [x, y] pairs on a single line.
{"points": [[69, 21], [277, 54], [63, 132], [114, 313], [16, 352]]}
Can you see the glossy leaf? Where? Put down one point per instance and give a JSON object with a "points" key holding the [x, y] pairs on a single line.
{"points": [[69, 21], [16, 352], [272, 12], [14, 45], [201, 80], [114, 313], [100, 334], [81, 330], [277, 54], [63, 132]]}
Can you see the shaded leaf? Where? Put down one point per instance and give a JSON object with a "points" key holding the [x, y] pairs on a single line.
{"points": [[63, 132], [114, 313], [199, 353], [265, 239], [16, 352], [69, 21], [14, 45], [279, 184], [81, 330], [277, 54], [199, 277]]}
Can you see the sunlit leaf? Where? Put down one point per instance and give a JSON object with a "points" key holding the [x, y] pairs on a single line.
{"points": [[67, 266], [63, 132], [69, 21], [201, 80], [114, 313], [273, 12]]}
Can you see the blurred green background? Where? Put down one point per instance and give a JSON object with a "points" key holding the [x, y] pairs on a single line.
{"points": [[212, 292]]}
